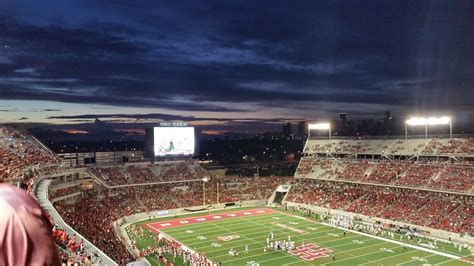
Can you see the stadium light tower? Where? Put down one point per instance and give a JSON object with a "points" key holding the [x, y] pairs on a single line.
{"points": [[429, 121], [320, 126]]}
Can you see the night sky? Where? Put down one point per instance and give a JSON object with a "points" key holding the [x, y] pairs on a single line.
{"points": [[255, 62]]}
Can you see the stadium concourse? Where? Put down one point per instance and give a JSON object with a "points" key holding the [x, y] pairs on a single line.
{"points": [[423, 183]]}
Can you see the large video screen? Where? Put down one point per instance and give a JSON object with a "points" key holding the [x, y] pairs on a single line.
{"points": [[173, 141]]}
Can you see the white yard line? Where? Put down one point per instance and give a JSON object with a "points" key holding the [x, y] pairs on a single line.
{"points": [[424, 257], [441, 263], [249, 257], [393, 256], [355, 256]]}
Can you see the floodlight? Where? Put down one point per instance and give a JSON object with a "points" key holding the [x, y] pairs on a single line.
{"points": [[205, 179], [444, 120], [429, 121], [320, 126], [421, 121]]}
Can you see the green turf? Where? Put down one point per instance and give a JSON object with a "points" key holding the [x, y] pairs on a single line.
{"points": [[351, 249]]}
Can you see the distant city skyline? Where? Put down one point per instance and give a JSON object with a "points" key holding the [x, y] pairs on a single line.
{"points": [[226, 65]]}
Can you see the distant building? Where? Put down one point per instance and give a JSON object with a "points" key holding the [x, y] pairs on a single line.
{"points": [[388, 123], [287, 129], [343, 118], [302, 129], [341, 127]]}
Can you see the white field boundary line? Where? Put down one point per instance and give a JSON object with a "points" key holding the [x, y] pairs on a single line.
{"points": [[391, 241]]}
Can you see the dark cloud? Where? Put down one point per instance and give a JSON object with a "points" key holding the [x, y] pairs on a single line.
{"points": [[166, 117], [225, 56]]}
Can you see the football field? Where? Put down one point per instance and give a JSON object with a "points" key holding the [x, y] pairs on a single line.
{"points": [[213, 235]]}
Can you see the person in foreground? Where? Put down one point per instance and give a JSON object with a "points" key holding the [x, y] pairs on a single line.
{"points": [[25, 231]]}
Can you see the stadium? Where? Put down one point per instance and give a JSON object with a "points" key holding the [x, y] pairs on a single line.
{"points": [[236, 133], [351, 201]]}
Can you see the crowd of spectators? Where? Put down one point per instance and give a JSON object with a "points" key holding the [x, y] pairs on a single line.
{"points": [[19, 151], [432, 146], [56, 193], [449, 146], [449, 212], [150, 172], [432, 175]]}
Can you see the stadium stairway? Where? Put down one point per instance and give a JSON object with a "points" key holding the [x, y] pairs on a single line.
{"points": [[279, 194], [41, 194]]}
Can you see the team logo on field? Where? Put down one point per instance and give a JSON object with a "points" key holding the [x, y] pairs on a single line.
{"points": [[228, 238], [310, 252]]}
